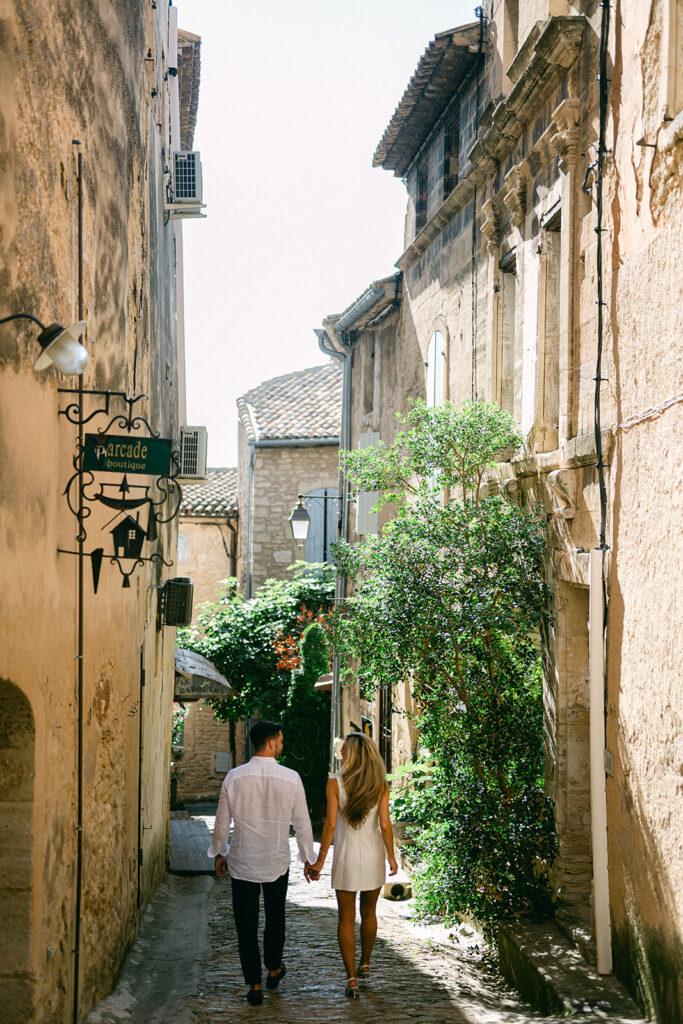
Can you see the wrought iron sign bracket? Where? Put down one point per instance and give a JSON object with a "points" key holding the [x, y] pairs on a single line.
{"points": [[138, 451]]}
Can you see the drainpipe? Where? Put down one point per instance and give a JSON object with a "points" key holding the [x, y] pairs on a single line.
{"points": [[329, 349], [598, 587], [250, 479]]}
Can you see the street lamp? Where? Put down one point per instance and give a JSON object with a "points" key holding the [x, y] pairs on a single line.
{"points": [[61, 346], [300, 522]]}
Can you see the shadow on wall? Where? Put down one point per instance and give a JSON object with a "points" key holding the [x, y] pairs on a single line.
{"points": [[17, 761], [648, 951]]}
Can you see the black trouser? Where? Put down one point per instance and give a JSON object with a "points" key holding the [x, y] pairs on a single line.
{"points": [[245, 906]]}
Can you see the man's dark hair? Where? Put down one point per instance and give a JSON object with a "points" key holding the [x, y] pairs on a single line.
{"points": [[260, 733]]}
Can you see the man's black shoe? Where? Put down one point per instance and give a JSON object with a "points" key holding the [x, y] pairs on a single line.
{"points": [[255, 996], [273, 980]]}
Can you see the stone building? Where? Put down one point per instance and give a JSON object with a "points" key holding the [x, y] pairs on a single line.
{"points": [[380, 375], [207, 552], [89, 119], [288, 443], [540, 270]]}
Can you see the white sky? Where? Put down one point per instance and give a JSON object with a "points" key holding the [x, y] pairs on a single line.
{"points": [[294, 97]]}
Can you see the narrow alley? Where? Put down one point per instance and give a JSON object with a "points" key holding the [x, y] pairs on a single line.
{"points": [[184, 967]]}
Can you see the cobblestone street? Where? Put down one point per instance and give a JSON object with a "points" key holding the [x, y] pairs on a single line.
{"points": [[184, 968]]}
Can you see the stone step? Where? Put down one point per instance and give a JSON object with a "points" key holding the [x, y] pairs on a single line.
{"points": [[549, 970]]}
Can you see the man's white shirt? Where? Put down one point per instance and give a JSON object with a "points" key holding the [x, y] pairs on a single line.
{"points": [[262, 799]]}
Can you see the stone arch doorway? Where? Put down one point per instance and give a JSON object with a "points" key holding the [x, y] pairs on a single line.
{"points": [[17, 769]]}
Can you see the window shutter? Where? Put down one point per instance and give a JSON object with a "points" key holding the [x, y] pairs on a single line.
{"points": [[367, 521], [436, 369], [322, 532]]}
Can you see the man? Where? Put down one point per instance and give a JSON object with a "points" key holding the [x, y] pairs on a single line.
{"points": [[262, 799]]}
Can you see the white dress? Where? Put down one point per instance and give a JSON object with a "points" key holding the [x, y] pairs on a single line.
{"points": [[358, 863]]}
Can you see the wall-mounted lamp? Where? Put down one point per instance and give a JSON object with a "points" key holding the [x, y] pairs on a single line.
{"points": [[60, 345], [300, 521]]}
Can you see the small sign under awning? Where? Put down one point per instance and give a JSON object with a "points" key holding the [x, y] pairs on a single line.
{"points": [[196, 677]]}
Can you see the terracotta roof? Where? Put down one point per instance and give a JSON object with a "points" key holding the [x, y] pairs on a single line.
{"points": [[442, 68], [217, 497], [303, 404], [189, 68]]}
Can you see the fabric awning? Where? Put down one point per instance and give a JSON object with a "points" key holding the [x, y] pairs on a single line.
{"points": [[196, 677]]}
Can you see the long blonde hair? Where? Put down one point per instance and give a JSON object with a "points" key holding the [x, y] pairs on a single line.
{"points": [[364, 777]]}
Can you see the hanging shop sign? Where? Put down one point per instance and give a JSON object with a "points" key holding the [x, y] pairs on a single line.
{"points": [[121, 453], [139, 508]]}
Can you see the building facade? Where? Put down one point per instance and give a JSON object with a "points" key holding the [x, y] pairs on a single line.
{"points": [[89, 119], [207, 553], [541, 150], [288, 443]]}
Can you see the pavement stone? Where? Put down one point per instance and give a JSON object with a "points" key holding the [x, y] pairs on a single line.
{"points": [[184, 967]]}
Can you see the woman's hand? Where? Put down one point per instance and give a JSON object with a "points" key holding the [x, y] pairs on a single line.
{"points": [[393, 866], [318, 866]]}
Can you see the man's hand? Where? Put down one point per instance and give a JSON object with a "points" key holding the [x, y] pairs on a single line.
{"points": [[310, 874], [393, 866], [221, 866]]}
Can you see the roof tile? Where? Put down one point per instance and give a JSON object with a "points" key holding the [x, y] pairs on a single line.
{"points": [[303, 404], [217, 497]]}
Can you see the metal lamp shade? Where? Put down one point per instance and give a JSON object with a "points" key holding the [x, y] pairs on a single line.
{"points": [[300, 522], [62, 348]]}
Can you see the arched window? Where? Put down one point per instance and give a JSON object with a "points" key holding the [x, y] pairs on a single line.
{"points": [[436, 370]]}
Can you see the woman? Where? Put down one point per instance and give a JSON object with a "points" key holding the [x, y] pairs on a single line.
{"points": [[358, 811]]}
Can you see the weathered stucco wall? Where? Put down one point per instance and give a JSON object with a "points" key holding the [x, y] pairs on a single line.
{"points": [[68, 73], [205, 546]]}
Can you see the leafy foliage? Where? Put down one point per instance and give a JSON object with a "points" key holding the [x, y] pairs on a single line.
{"points": [[241, 638], [272, 648], [451, 594], [306, 718]]}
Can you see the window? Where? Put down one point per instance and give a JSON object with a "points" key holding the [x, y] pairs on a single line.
{"points": [[510, 30], [507, 331], [384, 725], [369, 376], [451, 153], [421, 197], [322, 505], [548, 391], [436, 370]]}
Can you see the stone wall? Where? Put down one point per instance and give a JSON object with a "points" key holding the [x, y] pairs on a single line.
{"points": [[203, 738], [507, 271], [206, 545], [279, 475], [65, 74]]}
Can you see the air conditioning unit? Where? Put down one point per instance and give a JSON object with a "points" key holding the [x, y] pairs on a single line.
{"points": [[175, 606], [184, 190], [193, 452]]}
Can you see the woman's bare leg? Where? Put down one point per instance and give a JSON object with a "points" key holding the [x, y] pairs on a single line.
{"points": [[368, 923], [346, 929]]}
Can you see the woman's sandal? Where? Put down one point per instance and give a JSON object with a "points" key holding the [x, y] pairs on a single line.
{"points": [[364, 972], [352, 990]]}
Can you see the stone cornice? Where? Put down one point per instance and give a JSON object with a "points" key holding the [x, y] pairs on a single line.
{"points": [[549, 54]]}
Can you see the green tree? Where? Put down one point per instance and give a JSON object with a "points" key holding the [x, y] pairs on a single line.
{"points": [[244, 639], [451, 595], [306, 717], [240, 638]]}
